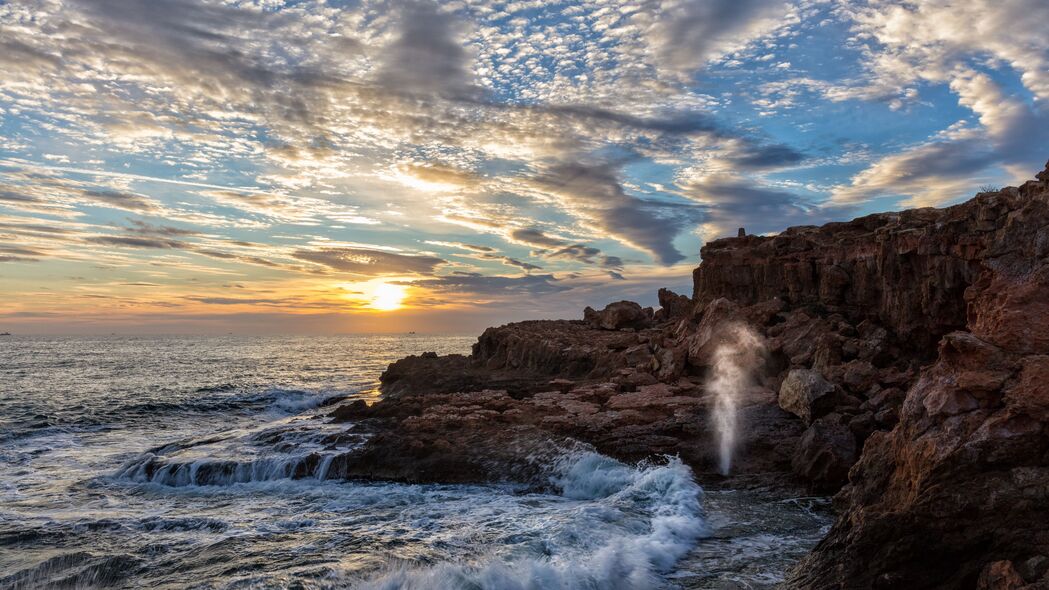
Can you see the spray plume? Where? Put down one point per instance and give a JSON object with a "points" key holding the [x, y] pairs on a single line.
{"points": [[740, 353]]}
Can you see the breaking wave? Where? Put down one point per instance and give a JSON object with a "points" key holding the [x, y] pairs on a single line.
{"points": [[633, 524]]}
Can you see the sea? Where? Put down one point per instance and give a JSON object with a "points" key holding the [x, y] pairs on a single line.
{"points": [[201, 462]]}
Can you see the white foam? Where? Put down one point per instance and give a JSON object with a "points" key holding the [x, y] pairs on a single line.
{"points": [[294, 401], [648, 518], [215, 472]]}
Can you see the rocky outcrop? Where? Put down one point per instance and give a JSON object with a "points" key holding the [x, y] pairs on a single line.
{"points": [[957, 494], [908, 271], [621, 315], [673, 306]]}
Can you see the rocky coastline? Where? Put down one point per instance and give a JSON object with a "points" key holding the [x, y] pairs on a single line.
{"points": [[904, 366]]}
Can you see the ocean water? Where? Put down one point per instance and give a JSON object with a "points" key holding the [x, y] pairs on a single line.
{"points": [[200, 462]]}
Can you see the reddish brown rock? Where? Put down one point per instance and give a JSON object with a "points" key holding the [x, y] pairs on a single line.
{"points": [[713, 331], [554, 348], [1000, 575], [673, 306], [807, 395], [902, 269], [825, 452], [957, 494], [618, 316]]}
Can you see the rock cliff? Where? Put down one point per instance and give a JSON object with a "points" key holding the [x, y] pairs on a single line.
{"points": [[957, 495]]}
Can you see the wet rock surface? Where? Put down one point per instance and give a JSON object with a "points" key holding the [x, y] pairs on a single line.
{"points": [[906, 359]]}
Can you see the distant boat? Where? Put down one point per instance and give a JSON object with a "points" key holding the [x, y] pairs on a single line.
{"points": [[5, 333]]}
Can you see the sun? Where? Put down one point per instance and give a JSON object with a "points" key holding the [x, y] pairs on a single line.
{"points": [[387, 297]]}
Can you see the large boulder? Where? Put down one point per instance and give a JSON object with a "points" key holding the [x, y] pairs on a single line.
{"points": [[617, 316], [825, 453], [807, 395]]}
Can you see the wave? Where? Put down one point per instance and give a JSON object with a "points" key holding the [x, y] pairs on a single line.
{"points": [[289, 401], [74, 570], [275, 400], [156, 469], [657, 510]]}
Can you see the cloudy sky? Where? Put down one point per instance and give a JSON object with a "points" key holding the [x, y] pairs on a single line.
{"points": [[282, 166]]}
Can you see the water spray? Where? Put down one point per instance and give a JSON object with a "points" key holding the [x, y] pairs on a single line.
{"points": [[735, 360]]}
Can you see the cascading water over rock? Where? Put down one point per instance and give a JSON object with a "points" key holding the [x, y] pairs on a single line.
{"points": [[740, 353]]}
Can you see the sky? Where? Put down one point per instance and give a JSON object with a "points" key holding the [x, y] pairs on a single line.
{"points": [[269, 166]]}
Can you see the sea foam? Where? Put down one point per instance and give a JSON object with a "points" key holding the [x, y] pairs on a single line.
{"points": [[634, 524]]}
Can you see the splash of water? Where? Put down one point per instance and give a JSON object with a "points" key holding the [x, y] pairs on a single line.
{"points": [[735, 360]]}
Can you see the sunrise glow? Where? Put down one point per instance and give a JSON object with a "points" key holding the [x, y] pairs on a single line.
{"points": [[217, 166], [388, 297]]}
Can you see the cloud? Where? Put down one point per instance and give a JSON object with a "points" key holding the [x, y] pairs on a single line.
{"points": [[148, 229], [237, 301], [577, 134], [123, 200], [593, 192], [476, 285], [587, 254], [288, 208], [766, 156], [953, 164], [19, 254], [509, 261], [428, 56], [687, 34], [907, 42], [461, 246], [554, 247], [366, 262], [535, 237], [137, 242], [732, 203]]}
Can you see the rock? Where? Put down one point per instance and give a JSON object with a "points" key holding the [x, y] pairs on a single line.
{"points": [[631, 379], [1000, 575], [859, 376], [903, 270], [1034, 569], [671, 363], [562, 385], [828, 353], [551, 348], [617, 316], [862, 426], [956, 494], [673, 306], [355, 410], [713, 330], [807, 395], [638, 356], [825, 453]]}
